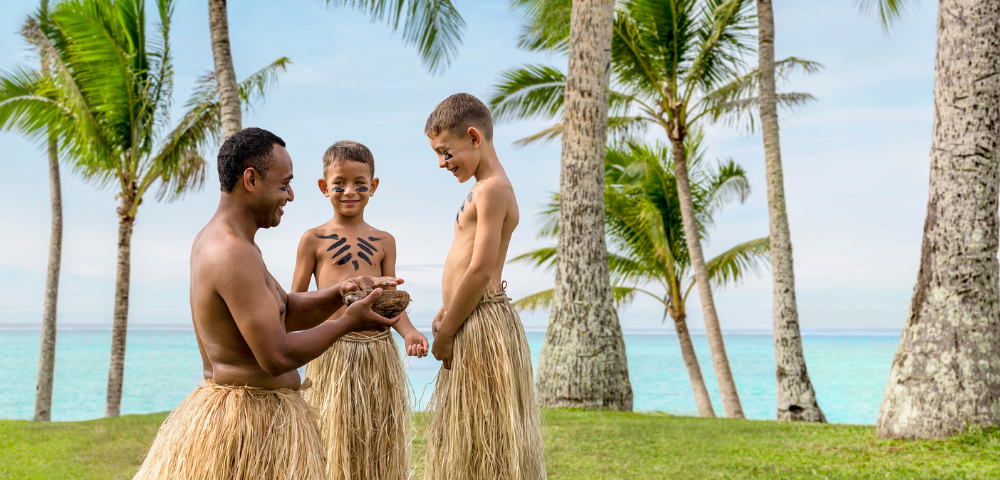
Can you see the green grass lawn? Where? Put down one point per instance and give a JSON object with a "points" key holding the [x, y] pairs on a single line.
{"points": [[579, 445]]}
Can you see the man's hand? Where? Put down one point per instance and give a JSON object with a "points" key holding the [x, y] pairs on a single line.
{"points": [[361, 318], [416, 344], [442, 350], [359, 283]]}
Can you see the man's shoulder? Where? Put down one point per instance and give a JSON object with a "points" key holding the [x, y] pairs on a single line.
{"points": [[221, 251]]}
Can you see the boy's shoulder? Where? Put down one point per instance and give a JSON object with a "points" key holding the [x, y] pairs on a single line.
{"points": [[498, 188]]}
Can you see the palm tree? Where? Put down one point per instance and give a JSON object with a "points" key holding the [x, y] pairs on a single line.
{"points": [[676, 63], [945, 375], [434, 26], [107, 98], [643, 220]]}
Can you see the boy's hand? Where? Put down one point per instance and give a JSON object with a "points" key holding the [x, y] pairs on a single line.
{"points": [[436, 324], [361, 318], [359, 283], [442, 350], [416, 344]]}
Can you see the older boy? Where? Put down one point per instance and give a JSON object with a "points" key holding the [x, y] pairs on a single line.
{"points": [[360, 385], [486, 423]]}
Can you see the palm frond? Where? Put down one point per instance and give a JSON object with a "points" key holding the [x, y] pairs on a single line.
{"points": [[734, 264], [433, 26], [743, 113], [531, 91], [535, 301], [28, 104], [543, 257], [546, 135], [255, 87], [887, 11], [545, 24]]}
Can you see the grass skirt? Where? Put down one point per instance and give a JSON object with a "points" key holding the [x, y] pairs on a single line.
{"points": [[486, 423], [237, 433], [362, 395]]}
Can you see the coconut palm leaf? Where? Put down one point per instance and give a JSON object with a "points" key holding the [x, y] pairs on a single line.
{"points": [[545, 24], [887, 11], [433, 26], [28, 104], [734, 264], [255, 87], [530, 91], [543, 300]]}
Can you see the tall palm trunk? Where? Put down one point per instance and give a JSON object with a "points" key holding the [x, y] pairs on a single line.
{"points": [[945, 376], [796, 397], [47, 354], [701, 398], [225, 74], [723, 374], [119, 331], [583, 360]]}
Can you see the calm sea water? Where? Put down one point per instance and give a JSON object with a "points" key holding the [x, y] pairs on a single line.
{"points": [[162, 366]]}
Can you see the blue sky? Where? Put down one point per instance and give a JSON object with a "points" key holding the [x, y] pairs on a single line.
{"points": [[856, 164]]}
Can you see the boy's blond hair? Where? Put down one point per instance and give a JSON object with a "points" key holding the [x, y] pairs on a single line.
{"points": [[345, 150], [457, 113]]}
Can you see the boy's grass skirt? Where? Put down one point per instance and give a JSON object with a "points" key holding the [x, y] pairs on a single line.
{"points": [[362, 395], [486, 423], [237, 433]]}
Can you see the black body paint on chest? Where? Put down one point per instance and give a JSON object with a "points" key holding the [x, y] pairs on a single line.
{"points": [[364, 246], [462, 209]]}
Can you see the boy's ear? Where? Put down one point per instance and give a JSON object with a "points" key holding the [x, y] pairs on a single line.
{"points": [[475, 137], [323, 187], [374, 187]]}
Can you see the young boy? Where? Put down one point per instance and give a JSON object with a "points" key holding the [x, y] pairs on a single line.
{"points": [[486, 423], [359, 385]]}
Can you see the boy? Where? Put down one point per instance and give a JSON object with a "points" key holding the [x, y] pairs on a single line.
{"points": [[360, 388], [486, 423]]}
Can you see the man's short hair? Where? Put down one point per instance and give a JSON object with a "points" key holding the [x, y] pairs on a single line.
{"points": [[346, 150], [247, 148], [457, 113]]}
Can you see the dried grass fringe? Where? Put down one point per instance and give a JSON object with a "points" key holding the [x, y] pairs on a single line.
{"points": [[362, 394], [235, 432], [486, 423]]}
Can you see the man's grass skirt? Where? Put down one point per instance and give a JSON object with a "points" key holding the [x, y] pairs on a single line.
{"points": [[237, 433], [362, 395], [486, 423]]}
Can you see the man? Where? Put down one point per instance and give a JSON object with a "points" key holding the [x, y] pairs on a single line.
{"points": [[247, 419]]}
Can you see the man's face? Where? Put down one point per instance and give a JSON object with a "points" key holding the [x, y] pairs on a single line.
{"points": [[348, 185], [275, 189], [456, 153]]}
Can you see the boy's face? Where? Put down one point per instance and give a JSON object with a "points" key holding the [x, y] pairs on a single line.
{"points": [[348, 186], [458, 152]]}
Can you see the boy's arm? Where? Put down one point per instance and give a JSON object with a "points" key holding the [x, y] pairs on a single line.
{"points": [[305, 263], [490, 211]]}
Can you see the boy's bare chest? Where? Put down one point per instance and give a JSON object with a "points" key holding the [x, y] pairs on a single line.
{"points": [[349, 254]]}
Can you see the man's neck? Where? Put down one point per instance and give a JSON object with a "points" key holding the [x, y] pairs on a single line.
{"points": [[235, 215]]}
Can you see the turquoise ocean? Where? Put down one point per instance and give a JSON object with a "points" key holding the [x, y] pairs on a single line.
{"points": [[849, 371]]}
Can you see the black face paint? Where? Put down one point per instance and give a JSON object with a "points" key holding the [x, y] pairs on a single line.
{"points": [[329, 237], [342, 250], [355, 264], [366, 244], [364, 257], [362, 189], [337, 190], [447, 156], [346, 258], [337, 244]]}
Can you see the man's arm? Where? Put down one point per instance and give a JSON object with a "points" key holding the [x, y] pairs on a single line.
{"points": [[243, 287], [306, 310], [305, 263], [491, 209]]}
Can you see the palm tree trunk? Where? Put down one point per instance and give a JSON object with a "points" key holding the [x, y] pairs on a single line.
{"points": [[225, 74], [795, 394], [47, 354], [701, 398], [119, 331], [945, 376], [583, 360], [723, 374]]}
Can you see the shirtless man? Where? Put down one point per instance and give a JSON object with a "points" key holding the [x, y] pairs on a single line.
{"points": [[478, 336], [248, 419]]}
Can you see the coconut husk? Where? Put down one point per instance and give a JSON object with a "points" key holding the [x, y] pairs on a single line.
{"points": [[237, 433], [390, 304], [486, 423], [362, 394]]}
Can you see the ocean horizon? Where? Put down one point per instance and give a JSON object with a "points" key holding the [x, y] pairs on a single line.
{"points": [[849, 370]]}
